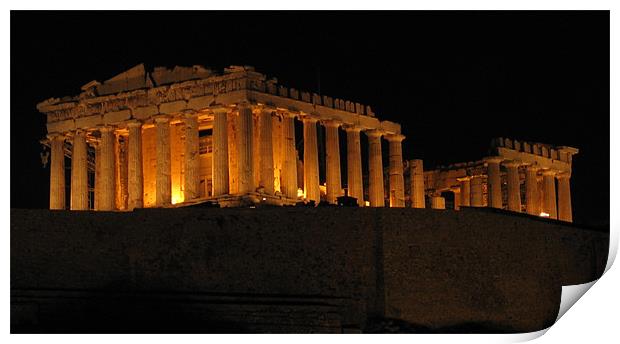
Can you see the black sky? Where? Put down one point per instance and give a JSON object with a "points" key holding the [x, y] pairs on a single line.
{"points": [[454, 80]]}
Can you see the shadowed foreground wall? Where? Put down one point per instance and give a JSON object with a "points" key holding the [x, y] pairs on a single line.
{"points": [[293, 270]]}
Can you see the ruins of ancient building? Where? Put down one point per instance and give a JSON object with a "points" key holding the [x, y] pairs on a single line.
{"points": [[517, 176], [191, 134]]}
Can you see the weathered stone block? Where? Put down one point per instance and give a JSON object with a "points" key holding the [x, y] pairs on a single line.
{"points": [[116, 116], [200, 102], [89, 121], [173, 107], [61, 127], [145, 112]]}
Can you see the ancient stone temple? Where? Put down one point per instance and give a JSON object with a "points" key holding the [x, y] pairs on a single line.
{"points": [[516, 176], [186, 135]]}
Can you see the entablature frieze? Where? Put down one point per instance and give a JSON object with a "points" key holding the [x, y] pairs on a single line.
{"points": [[199, 95]]}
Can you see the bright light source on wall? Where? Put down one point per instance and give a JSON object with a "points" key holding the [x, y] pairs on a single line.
{"points": [[300, 192], [264, 199], [177, 197], [543, 214], [367, 203]]}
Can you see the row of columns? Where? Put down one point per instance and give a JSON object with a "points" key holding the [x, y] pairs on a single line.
{"points": [[105, 161], [105, 166], [536, 203]]}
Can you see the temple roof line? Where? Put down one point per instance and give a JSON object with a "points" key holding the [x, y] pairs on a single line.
{"points": [[137, 78]]}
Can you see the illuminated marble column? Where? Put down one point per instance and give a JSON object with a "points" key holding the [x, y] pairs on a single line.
{"points": [[355, 184], [266, 179], [96, 144], [57, 171], [565, 212], [416, 173], [245, 148], [494, 182], [513, 184], [476, 191], [332, 153], [311, 160], [532, 198], [135, 175], [289, 168], [397, 180], [465, 194], [191, 158], [438, 202], [375, 173], [549, 197], [163, 181], [219, 168], [79, 172], [108, 188]]}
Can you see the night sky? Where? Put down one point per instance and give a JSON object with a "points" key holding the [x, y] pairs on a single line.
{"points": [[453, 80]]}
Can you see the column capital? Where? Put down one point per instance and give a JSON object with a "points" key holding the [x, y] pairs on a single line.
{"points": [[305, 117], [464, 179], [161, 119], [395, 137], [55, 136], [219, 109], [106, 128], [563, 175], [331, 123], [189, 114], [351, 128], [532, 168], [512, 163], [134, 124], [549, 172], [286, 114], [493, 159], [244, 105], [374, 133]]}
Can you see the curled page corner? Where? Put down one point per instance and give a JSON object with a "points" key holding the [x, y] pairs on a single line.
{"points": [[570, 295]]}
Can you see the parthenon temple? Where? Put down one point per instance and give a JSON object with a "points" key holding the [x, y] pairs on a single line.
{"points": [[180, 136], [188, 135]]}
